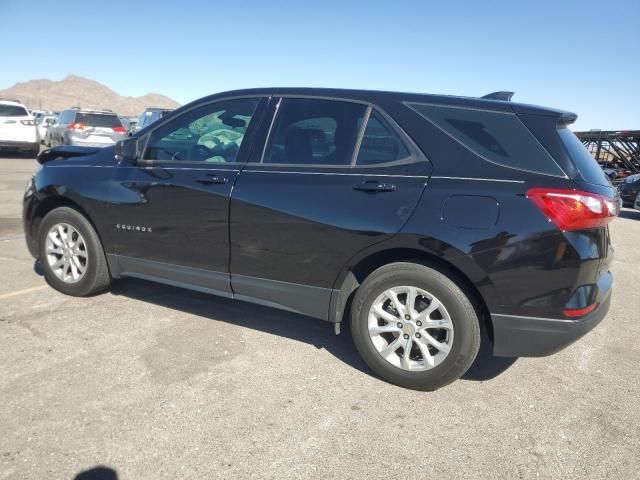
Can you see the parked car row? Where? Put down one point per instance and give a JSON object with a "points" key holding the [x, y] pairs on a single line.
{"points": [[22, 130]]}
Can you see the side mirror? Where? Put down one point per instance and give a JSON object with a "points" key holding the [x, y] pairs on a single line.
{"points": [[127, 150]]}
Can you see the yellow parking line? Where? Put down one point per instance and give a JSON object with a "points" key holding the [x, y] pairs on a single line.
{"points": [[22, 292]]}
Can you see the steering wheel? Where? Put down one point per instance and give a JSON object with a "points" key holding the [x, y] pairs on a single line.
{"points": [[201, 152]]}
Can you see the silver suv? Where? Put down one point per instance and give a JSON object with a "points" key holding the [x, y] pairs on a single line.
{"points": [[93, 128]]}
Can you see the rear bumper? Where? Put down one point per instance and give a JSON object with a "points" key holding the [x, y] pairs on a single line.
{"points": [[517, 336], [18, 145]]}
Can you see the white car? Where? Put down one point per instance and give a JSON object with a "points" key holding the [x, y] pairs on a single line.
{"points": [[18, 131], [43, 125]]}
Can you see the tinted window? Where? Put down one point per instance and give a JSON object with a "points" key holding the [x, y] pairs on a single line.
{"points": [[12, 111], [314, 132], [380, 144], [211, 133], [98, 120], [582, 159], [495, 136]]}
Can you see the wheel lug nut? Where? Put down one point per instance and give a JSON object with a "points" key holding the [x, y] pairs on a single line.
{"points": [[406, 337], [419, 323], [417, 335], [399, 325], [407, 317]]}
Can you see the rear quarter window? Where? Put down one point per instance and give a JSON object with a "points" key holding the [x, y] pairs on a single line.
{"points": [[13, 111], [498, 137]]}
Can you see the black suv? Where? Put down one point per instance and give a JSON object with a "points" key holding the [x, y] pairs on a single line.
{"points": [[421, 219]]}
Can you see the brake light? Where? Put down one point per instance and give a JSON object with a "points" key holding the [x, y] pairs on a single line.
{"points": [[76, 126], [119, 129], [27, 122], [574, 209]]}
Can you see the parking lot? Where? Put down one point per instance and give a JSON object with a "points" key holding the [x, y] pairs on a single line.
{"points": [[159, 382]]}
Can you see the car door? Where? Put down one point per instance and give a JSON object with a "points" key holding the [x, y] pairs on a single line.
{"points": [[169, 220], [334, 178]]}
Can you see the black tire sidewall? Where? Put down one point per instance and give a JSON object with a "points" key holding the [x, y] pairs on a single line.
{"points": [[92, 243], [463, 316]]}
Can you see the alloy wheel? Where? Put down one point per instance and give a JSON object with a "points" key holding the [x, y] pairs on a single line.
{"points": [[66, 252], [410, 328]]}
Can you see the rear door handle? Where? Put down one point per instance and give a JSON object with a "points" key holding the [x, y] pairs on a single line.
{"points": [[212, 178], [375, 186]]}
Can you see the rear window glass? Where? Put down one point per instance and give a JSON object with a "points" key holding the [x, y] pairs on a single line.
{"points": [[498, 137], [98, 120], [582, 159], [12, 111], [380, 144]]}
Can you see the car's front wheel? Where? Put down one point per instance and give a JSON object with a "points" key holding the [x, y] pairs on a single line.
{"points": [[414, 326], [71, 253]]}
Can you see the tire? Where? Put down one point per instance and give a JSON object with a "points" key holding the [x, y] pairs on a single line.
{"points": [[95, 277], [420, 370]]}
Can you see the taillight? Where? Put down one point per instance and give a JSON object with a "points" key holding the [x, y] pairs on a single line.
{"points": [[27, 122], [574, 209], [76, 126], [120, 129]]}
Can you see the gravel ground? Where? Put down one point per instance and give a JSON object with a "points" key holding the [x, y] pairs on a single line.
{"points": [[159, 382]]}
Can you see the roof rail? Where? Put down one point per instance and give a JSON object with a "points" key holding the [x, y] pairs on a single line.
{"points": [[504, 96]]}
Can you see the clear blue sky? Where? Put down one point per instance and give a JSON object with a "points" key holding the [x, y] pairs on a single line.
{"points": [[577, 55]]}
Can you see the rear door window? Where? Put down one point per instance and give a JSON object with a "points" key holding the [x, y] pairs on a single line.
{"points": [[582, 159], [498, 137], [314, 132], [12, 111]]}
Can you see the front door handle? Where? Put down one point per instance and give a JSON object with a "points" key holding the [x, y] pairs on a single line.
{"points": [[375, 186], [212, 178]]}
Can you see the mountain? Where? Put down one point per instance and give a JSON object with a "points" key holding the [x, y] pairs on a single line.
{"points": [[77, 91]]}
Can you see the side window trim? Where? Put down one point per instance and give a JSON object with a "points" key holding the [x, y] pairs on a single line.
{"points": [[267, 139], [164, 120], [363, 128]]}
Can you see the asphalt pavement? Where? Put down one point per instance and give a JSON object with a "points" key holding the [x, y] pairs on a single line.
{"points": [[155, 382]]}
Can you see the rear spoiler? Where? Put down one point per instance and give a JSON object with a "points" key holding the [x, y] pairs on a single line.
{"points": [[504, 96], [564, 118], [567, 118], [63, 152]]}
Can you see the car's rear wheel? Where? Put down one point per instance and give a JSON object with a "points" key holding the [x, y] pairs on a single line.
{"points": [[71, 253], [414, 326]]}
